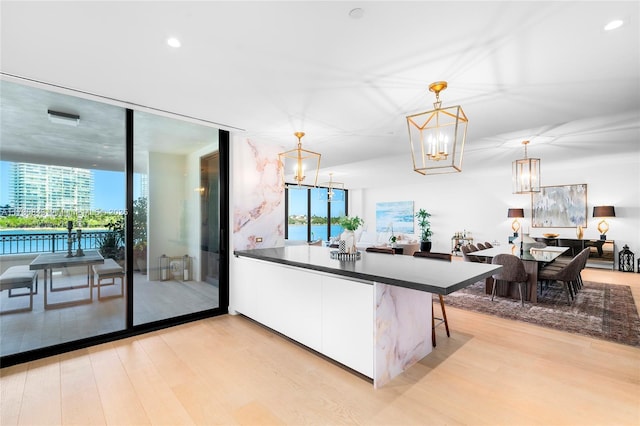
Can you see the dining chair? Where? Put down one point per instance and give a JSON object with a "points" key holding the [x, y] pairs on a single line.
{"points": [[568, 275], [512, 272], [466, 253], [385, 250], [481, 246], [487, 244], [443, 320]]}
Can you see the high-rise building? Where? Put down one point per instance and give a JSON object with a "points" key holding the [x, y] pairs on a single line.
{"points": [[43, 189]]}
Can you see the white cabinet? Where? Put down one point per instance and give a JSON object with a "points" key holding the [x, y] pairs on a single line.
{"points": [[378, 330], [347, 323], [331, 315]]}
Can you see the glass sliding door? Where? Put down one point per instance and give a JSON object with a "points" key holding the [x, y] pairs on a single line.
{"points": [[62, 161], [176, 226]]}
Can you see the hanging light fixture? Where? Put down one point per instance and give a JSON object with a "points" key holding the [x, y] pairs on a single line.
{"points": [[526, 174], [437, 137], [295, 164], [333, 189]]}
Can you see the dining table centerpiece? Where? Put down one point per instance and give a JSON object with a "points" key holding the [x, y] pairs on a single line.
{"points": [[348, 236]]}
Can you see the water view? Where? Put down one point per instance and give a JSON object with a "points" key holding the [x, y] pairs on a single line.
{"points": [[299, 232], [17, 241]]}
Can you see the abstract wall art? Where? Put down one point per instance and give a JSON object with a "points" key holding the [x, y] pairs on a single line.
{"points": [[562, 206]]}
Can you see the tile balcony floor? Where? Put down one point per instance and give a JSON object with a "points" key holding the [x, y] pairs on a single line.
{"points": [[153, 300]]}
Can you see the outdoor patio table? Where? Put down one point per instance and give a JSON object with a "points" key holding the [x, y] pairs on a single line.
{"points": [[49, 261]]}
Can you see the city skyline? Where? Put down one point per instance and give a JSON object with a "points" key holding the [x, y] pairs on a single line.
{"points": [[106, 195]]}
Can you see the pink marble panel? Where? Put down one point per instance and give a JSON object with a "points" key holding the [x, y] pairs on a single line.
{"points": [[402, 330], [257, 194]]}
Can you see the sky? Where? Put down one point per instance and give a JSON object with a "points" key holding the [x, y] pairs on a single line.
{"points": [[109, 188], [298, 202]]}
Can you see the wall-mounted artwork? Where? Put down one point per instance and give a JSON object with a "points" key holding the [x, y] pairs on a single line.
{"points": [[562, 206], [396, 216]]}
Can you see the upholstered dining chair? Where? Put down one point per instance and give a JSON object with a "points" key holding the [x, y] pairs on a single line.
{"points": [[512, 272], [481, 246], [568, 275], [466, 253], [487, 244], [443, 320]]}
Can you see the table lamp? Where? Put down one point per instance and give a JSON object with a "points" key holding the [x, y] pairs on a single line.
{"points": [[604, 212], [515, 225]]}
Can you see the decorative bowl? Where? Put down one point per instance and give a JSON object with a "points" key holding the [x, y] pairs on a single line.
{"points": [[550, 235]]}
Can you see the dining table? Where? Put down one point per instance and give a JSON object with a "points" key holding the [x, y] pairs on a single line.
{"points": [[50, 261], [533, 258]]}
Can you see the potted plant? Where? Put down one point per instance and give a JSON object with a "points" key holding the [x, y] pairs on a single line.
{"points": [[425, 229], [111, 244], [350, 224]]}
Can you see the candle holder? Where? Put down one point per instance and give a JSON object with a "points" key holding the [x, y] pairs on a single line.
{"points": [[69, 239], [79, 251]]}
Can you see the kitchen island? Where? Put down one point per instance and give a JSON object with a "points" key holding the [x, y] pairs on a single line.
{"points": [[372, 314]]}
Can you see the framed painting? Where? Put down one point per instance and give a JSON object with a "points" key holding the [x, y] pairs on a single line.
{"points": [[562, 206], [395, 216]]}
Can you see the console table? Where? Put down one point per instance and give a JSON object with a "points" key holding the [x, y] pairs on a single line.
{"points": [[458, 242], [601, 252]]}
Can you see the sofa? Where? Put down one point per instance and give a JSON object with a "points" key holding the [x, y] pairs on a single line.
{"points": [[407, 242]]}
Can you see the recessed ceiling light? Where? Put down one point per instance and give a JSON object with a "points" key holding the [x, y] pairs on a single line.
{"points": [[356, 13], [173, 42], [613, 25]]}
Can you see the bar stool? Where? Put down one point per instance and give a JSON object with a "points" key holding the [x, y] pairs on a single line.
{"points": [[443, 320]]}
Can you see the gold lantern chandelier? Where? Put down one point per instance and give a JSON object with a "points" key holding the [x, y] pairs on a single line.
{"points": [[437, 137], [526, 174], [297, 163], [334, 189]]}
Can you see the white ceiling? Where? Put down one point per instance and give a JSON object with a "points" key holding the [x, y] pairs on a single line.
{"points": [[543, 71]]}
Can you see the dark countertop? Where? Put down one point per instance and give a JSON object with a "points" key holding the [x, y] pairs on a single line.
{"points": [[424, 274]]}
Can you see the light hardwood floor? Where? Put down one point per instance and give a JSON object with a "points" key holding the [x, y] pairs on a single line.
{"points": [[229, 370]]}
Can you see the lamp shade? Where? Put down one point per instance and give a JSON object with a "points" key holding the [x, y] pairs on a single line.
{"points": [[515, 213], [604, 211]]}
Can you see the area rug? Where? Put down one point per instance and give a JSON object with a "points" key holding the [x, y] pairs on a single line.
{"points": [[604, 311]]}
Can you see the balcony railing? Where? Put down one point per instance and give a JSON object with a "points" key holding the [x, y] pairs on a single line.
{"points": [[47, 242]]}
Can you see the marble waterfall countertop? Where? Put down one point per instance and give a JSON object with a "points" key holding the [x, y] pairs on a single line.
{"points": [[424, 274]]}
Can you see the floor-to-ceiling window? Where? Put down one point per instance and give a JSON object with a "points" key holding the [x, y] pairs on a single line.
{"points": [[111, 210], [312, 215]]}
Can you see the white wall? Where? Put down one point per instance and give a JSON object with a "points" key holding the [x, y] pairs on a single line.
{"points": [[477, 199], [168, 214]]}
